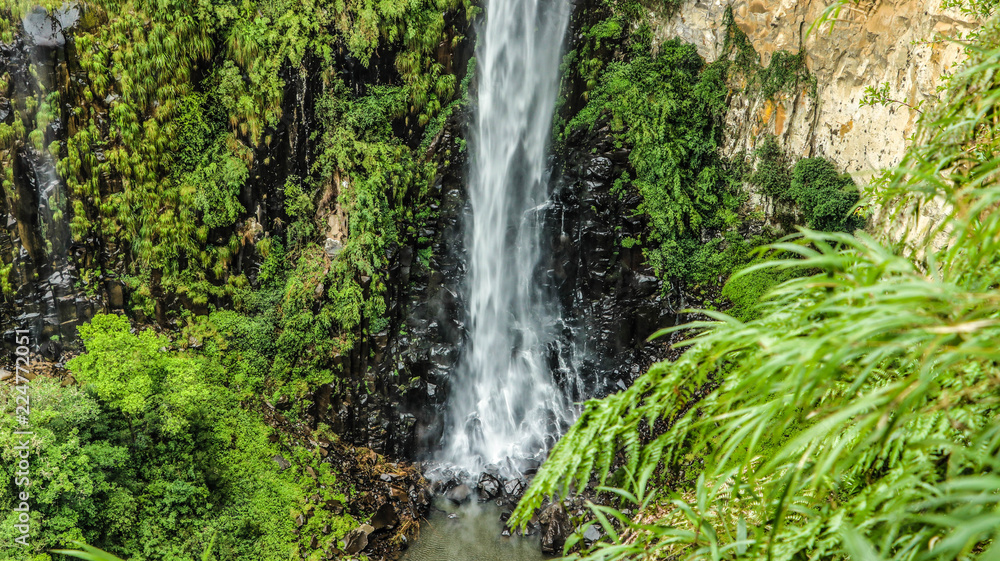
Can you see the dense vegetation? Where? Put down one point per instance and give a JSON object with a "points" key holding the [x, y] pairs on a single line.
{"points": [[153, 457], [177, 114], [667, 107], [175, 108], [853, 417]]}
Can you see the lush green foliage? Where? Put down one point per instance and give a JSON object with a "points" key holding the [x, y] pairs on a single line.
{"points": [[668, 110], [154, 458], [173, 113], [379, 180], [747, 288], [667, 107], [856, 418], [825, 197], [771, 177], [131, 374]]}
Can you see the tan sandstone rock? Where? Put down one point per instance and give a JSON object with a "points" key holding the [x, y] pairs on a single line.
{"points": [[878, 41]]}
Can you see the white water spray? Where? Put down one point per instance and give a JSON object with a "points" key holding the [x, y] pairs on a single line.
{"points": [[504, 404]]}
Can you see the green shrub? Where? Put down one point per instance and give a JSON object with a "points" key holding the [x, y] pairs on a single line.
{"points": [[826, 197], [771, 176], [155, 458], [668, 110]]}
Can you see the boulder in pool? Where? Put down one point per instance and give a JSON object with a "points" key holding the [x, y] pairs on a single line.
{"points": [[459, 494]]}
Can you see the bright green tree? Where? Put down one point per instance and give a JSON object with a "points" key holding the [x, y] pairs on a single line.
{"points": [[136, 374]]}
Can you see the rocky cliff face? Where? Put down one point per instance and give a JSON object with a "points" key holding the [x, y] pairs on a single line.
{"points": [[611, 300], [397, 410], [902, 42], [34, 244], [57, 283]]}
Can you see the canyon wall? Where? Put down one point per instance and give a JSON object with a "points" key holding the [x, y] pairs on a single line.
{"points": [[902, 42]]}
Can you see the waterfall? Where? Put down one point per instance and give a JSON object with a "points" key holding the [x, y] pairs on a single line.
{"points": [[505, 405]]}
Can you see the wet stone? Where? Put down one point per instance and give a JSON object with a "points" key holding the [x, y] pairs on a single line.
{"points": [[514, 487], [489, 487], [599, 167], [283, 464], [592, 533], [43, 30], [335, 506], [555, 527], [385, 517], [459, 494], [357, 539], [332, 247]]}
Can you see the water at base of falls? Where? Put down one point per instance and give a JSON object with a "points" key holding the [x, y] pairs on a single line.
{"points": [[473, 534], [505, 408]]}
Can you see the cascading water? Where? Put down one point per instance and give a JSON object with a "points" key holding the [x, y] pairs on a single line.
{"points": [[505, 405]]}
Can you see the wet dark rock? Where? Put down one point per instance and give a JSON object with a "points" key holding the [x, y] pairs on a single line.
{"points": [[44, 30], [490, 487], [555, 528], [385, 517], [357, 539], [283, 404], [402, 373], [335, 506], [459, 494], [514, 488], [401, 495], [600, 168]]}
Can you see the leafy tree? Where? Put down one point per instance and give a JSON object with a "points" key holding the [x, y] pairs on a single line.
{"points": [[771, 176], [134, 373], [826, 197], [154, 457], [668, 112]]}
